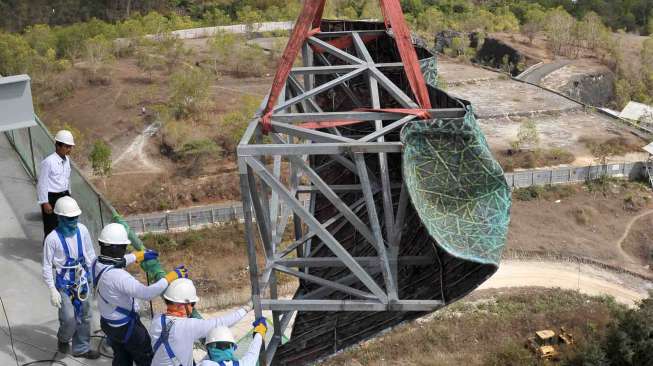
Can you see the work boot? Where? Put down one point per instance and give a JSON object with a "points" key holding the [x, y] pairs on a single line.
{"points": [[90, 354], [63, 347]]}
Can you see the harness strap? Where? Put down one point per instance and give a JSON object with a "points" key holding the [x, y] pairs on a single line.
{"points": [[130, 315], [233, 363], [69, 260], [163, 340]]}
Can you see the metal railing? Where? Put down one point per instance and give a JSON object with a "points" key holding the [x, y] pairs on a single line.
{"points": [[33, 144]]}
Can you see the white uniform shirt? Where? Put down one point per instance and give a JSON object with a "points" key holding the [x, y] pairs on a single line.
{"points": [[53, 253], [249, 359], [54, 176], [119, 288], [184, 333]]}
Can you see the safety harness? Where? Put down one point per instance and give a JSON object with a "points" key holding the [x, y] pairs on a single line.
{"points": [[74, 276], [164, 340], [130, 315]]}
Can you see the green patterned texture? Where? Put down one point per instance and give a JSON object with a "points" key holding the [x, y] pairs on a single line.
{"points": [[457, 187], [429, 67]]}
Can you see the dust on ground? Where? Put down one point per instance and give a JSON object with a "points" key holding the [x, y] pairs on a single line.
{"points": [[122, 114], [583, 223], [638, 243], [502, 105], [538, 51]]}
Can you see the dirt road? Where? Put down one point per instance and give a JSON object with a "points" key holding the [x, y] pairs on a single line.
{"points": [[536, 74], [627, 256], [587, 279]]}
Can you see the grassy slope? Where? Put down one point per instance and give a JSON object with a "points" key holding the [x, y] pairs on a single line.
{"points": [[491, 331]]}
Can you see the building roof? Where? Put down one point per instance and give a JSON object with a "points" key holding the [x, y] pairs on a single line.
{"points": [[634, 111]]}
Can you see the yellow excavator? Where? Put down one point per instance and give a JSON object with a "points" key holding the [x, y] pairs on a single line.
{"points": [[547, 344]]}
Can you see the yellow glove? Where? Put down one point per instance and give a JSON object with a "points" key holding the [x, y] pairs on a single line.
{"points": [[260, 327], [179, 272], [145, 255]]}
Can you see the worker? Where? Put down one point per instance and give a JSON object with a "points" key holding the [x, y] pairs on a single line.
{"points": [[117, 291], [54, 179], [69, 250], [220, 346], [174, 332]]}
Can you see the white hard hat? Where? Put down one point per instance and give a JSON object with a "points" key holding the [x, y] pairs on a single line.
{"points": [[67, 206], [65, 137], [114, 234], [181, 291], [220, 334]]}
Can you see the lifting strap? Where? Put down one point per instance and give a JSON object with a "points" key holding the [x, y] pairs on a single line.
{"points": [[309, 19], [164, 340], [130, 315]]}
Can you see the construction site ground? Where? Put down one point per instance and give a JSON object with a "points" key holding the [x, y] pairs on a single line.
{"points": [[144, 178], [115, 114], [503, 104]]}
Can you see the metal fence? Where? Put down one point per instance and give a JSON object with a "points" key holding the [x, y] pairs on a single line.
{"points": [[33, 144], [184, 219], [561, 175]]}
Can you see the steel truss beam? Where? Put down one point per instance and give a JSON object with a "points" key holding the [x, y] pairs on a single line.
{"points": [[276, 177], [350, 305]]}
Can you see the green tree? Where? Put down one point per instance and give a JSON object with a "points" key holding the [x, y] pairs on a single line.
{"points": [[560, 30], [526, 136], [16, 56], [155, 23], [190, 90], [590, 353], [591, 30], [459, 45], [250, 17], [431, 20], [629, 341], [222, 46], [215, 17], [41, 38], [148, 62], [97, 55], [100, 159], [371, 10], [534, 20], [234, 124]]}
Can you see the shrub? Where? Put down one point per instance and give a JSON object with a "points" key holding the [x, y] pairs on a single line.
{"points": [[527, 135], [100, 158], [16, 55], [189, 92], [158, 241], [510, 353], [629, 339], [97, 54], [41, 38], [250, 17], [527, 194]]}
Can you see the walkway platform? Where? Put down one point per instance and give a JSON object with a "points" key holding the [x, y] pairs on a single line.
{"points": [[26, 299]]}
